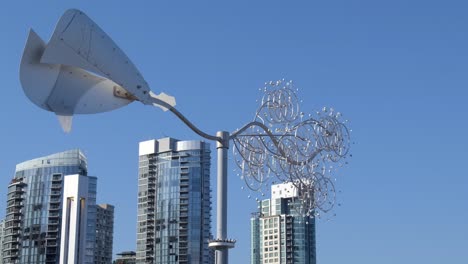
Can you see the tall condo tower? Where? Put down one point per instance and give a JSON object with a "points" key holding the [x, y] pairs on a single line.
{"points": [[279, 234], [174, 202], [2, 236], [50, 214], [104, 234]]}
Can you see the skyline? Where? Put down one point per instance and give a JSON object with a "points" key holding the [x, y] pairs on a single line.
{"points": [[396, 70]]}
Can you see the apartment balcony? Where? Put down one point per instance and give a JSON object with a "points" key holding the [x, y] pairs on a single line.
{"points": [[16, 188], [53, 229], [15, 205], [17, 197], [54, 208], [56, 178], [184, 184], [13, 211], [51, 251], [11, 246], [55, 201], [149, 241], [50, 238], [52, 235], [51, 243], [56, 186]]}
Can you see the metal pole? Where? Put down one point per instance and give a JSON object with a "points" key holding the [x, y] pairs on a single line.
{"points": [[221, 225]]}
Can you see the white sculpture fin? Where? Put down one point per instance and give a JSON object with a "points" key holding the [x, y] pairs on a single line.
{"points": [[37, 79], [162, 100], [65, 122]]}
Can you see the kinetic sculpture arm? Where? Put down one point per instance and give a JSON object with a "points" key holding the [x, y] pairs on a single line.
{"points": [[82, 71]]}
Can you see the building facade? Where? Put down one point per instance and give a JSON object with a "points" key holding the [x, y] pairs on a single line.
{"points": [[36, 206], [75, 233], [279, 234], [174, 202], [104, 234], [2, 236]]}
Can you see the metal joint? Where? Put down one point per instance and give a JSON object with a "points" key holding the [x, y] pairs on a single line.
{"points": [[223, 141]]}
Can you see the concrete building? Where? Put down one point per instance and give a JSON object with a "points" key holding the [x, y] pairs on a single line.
{"points": [[50, 215], [279, 234], [174, 202], [75, 225], [104, 234]]}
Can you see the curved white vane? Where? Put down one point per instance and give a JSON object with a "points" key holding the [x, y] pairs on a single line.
{"points": [[82, 71]]}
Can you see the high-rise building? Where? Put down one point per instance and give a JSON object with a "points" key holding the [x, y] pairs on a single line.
{"points": [[78, 219], [174, 202], [104, 234], [2, 236], [50, 215], [279, 232]]}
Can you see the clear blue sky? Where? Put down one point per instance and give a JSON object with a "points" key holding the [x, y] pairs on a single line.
{"points": [[396, 69]]}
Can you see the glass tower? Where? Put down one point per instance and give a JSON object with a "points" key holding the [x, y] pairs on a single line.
{"points": [[34, 208], [279, 234], [174, 205]]}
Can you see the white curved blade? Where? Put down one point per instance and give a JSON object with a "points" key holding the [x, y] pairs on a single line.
{"points": [[77, 41], [63, 89]]}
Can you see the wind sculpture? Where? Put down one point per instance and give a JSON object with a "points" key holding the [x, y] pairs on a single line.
{"points": [[284, 144], [82, 71]]}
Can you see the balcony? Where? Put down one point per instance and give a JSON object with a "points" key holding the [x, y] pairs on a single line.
{"points": [[184, 183]]}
